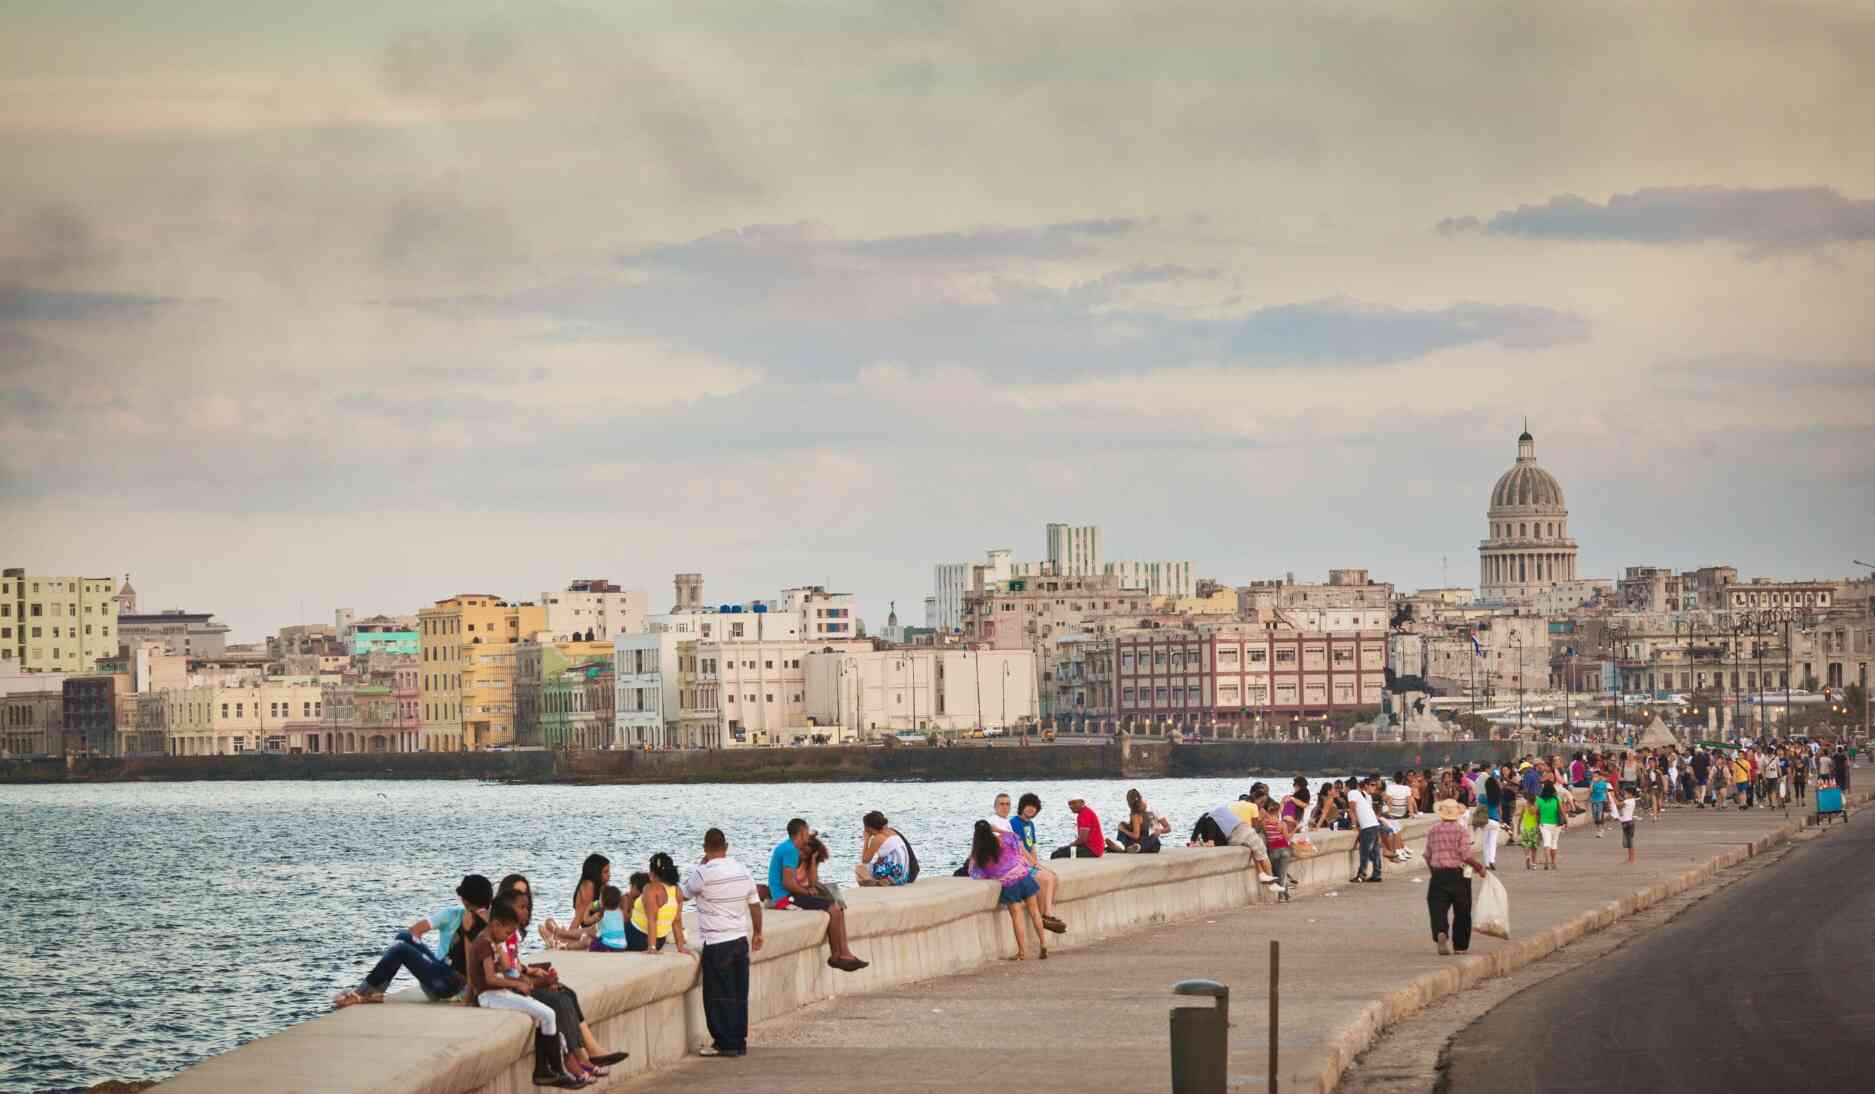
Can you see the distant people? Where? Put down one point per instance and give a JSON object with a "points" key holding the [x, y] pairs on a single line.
{"points": [[1448, 894], [656, 915], [1138, 832], [432, 973], [723, 892], [1598, 801], [1494, 816], [1090, 841], [1275, 833], [1624, 806], [786, 891], [885, 856], [497, 983], [996, 856], [1023, 825], [1367, 824], [1550, 820], [1234, 824]]}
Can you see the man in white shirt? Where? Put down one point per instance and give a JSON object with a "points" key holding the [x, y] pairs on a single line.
{"points": [[722, 890], [1400, 807], [1361, 800]]}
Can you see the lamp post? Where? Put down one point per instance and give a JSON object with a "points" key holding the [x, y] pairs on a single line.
{"points": [[1516, 643], [1866, 680], [1006, 671]]}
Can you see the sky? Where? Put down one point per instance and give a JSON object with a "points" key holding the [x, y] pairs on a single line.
{"points": [[356, 305]]}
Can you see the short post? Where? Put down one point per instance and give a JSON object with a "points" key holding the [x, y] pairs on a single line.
{"points": [[1276, 956], [1200, 1040]]}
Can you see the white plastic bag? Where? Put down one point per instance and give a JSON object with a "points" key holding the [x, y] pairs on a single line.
{"points": [[1490, 913]]}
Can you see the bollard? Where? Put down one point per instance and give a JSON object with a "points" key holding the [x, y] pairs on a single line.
{"points": [[1200, 1039]]}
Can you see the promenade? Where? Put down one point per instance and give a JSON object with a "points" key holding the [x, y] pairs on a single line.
{"points": [[1354, 958]]}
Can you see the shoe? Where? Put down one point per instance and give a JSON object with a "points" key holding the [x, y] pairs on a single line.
{"points": [[1492, 867], [1054, 924], [549, 1066], [846, 964], [1264, 877], [1356, 879], [1445, 945], [610, 1058], [727, 1053], [1375, 880]]}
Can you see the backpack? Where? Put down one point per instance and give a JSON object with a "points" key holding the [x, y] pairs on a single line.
{"points": [[911, 861]]}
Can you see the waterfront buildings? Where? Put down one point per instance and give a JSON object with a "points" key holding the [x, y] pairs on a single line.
{"points": [[553, 705], [594, 609], [860, 694], [1527, 548], [190, 634], [56, 623], [381, 634], [468, 644], [229, 719], [32, 713]]}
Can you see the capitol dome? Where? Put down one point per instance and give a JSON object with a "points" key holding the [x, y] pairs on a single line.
{"points": [[1527, 549]]}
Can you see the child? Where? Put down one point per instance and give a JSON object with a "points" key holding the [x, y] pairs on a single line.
{"points": [[1598, 801], [496, 983], [611, 936], [1626, 816]]}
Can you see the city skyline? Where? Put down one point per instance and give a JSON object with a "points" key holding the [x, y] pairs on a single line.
{"points": [[353, 308]]}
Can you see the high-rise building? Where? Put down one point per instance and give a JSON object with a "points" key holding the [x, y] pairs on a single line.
{"points": [[594, 610], [467, 644], [1074, 551], [56, 624], [951, 580]]}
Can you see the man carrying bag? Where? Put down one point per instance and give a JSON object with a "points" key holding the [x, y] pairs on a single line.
{"points": [[1448, 896]]}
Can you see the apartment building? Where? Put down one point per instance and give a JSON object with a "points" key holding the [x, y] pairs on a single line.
{"points": [[594, 609], [822, 614], [861, 694], [56, 624], [468, 644], [187, 634], [230, 719], [553, 707]]}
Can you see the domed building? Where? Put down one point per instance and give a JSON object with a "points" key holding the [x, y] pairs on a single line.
{"points": [[1527, 549]]}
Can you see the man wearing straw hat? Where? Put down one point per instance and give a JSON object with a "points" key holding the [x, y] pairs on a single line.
{"points": [[1448, 852]]}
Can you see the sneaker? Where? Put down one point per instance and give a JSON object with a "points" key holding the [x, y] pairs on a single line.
{"points": [[1445, 946], [1356, 879], [1265, 878]]}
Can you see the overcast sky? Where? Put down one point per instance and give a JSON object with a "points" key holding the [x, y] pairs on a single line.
{"points": [[343, 304]]}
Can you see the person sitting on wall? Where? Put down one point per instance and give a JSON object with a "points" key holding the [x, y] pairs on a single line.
{"points": [[1090, 841], [1233, 824], [1140, 831], [1022, 824], [886, 857], [785, 890], [433, 974]]}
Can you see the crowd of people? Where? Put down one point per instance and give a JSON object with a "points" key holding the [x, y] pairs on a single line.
{"points": [[477, 954]]}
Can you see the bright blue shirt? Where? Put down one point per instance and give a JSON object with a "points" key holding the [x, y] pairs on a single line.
{"points": [[446, 922], [1530, 781], [1598, 790], [786, 857], [1025, 831]]}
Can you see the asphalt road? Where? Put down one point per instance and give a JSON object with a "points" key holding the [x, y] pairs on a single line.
{"points": [[1768, 985]]}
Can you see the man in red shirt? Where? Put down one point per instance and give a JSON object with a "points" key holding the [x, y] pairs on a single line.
{"points": [[1089, 840]]}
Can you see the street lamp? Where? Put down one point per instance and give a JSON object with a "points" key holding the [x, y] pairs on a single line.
{"points": [[1516, 643]]}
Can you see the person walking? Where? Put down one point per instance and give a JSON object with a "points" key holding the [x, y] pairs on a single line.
{"points": [[1493, 817], [1598, 802], [1368, 823], [1448, 896], [1625, 814], [724, 892], [1549, 817]]}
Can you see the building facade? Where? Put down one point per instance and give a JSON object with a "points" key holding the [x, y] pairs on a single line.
{"points": [[1527, 548], [230, 719], [187, 634], [56, 624], [1074, 551], [861, 694], [552, 708], [466, 678], [594, 609], [945, 609], [1158, 578]]}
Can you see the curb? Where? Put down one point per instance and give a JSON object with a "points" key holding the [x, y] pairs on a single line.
{"points": [[1344, 1045]]}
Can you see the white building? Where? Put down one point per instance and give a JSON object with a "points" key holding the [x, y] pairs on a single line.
{"points": [[953, 579], [822, 614], [595, 605], [863, 693], [754, 690], [648, 686], [1074, 551], [1158, 578]]}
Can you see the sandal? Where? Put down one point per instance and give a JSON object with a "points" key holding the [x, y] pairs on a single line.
{"points": [[353, 998]]}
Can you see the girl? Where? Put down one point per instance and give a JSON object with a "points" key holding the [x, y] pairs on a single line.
{"points": [[997, 857], [661, 905], [1138, 831], [496, 982], [594, 875], [1527, 827], [584, 1059], [611, 936], [885, 858], [1549, 815], [808, 873], [1598, 801], [1624, 803], [1276, 842]]}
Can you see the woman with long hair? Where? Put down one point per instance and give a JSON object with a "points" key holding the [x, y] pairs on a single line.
{"points": [[1550, 821], [588, 908], [657, 915], [1138, 831], [995, 856], [584, 1059]]}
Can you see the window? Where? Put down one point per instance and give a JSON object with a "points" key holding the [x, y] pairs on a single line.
{"points": [[1159, 694], [1126, 697], [36, 608], [768, 697], [36, 631], [1259, 656], [1286, 655]]}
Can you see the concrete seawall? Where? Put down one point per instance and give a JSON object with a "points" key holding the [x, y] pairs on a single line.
{"points": [[651, 1006], [1129, 758]]}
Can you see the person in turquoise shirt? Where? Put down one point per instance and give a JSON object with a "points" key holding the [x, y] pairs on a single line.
{"points": [[1598, 801]]}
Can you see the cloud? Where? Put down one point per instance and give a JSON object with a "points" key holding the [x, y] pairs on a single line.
{"points": [[1765, 221]]}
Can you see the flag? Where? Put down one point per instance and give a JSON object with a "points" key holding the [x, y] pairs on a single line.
{"points": [[1476, 649]]}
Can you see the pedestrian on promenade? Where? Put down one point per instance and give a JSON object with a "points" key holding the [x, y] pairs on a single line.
{"points": [[1494, 817], [1367, 823], [1276, 841], [727, 905], [1529, 831], [1448, 895], [1598, 802], [1550, 821], [1741, 778], [785, 890], [433, 974], [1625, 805], [996, 856], [1702, 777]]}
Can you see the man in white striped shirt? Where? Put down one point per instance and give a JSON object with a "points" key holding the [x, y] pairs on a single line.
{"points": [[722, 888]]}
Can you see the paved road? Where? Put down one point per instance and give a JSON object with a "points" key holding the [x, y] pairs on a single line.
{"points": [[1768, 985]]}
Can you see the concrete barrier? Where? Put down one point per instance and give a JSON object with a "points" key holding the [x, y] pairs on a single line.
{"points": [[652, 1006]]}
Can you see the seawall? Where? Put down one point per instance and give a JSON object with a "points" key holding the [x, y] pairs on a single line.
{"points": [[1129, 758], [651, 1005]]}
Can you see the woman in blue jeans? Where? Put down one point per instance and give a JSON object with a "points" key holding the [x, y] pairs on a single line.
{"points": [[435, 975]]}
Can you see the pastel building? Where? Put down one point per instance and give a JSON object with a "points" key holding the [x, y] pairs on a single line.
{"points": [[56, 624], [467, 645]]}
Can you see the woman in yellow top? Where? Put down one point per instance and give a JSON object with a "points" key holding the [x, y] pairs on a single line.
{"points": [[660, 904]]}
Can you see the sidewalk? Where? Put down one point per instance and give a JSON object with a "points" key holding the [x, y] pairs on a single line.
{"points": [[1354, 959]]}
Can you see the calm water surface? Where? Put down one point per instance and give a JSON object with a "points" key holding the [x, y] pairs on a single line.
{"points": [[160, 923]]}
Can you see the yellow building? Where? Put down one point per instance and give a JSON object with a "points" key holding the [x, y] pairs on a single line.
{"points": [[56, 624], [467, 646]]}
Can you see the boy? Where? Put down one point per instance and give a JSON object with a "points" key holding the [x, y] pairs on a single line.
{"points": [[1598, 801], [1625, 803], [495, 984]]}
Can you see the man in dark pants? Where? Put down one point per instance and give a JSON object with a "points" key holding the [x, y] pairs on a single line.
{"points": [[722, 889], [1448, 893]]}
